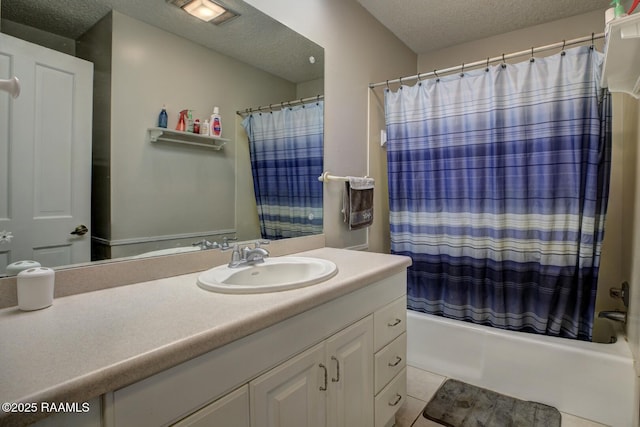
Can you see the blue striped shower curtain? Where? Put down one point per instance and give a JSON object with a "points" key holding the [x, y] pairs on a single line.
{"points": [[286, 149], [498, 186]]}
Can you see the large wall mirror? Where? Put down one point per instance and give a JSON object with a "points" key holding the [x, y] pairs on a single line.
{"points": [[84, 176]]}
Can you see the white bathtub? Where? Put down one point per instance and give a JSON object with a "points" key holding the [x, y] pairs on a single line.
{"points": [[589, 380]]}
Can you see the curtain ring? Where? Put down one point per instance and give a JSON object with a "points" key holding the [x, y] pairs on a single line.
{"points": [[388, 85], [564, 43], [592, 40], [437, 76], [532, 58], [487, 68], [462, 71], [400, 82], [504, 64]]}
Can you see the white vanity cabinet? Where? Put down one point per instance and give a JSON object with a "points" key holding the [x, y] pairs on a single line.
{"points": [[350, 386], [390, 376], [328, 385], [291, 394], [338, 364]]}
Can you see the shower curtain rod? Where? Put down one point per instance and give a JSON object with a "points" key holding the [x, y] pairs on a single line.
{"points": [[486, 62], [280, 105]]}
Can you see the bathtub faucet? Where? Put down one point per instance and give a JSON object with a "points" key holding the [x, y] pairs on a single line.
{"points": [[617, 316]]}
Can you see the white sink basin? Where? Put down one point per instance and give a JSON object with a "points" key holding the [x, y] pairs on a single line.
{"points": [[275, 274]]}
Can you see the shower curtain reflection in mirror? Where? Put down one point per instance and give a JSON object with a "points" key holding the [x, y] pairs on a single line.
{"points": [[286, 149]]}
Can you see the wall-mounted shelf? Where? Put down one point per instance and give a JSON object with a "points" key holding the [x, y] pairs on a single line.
{"points": [[179, 137], [621, 70]]}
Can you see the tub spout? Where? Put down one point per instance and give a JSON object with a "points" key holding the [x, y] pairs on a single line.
{"points": [[618, 316]]}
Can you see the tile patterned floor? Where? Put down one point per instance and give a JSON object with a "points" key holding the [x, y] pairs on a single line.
{"points": [[422, 385]]}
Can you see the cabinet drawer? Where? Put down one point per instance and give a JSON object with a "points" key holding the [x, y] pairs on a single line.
{"points": [[389, 361], [391, 399], [232, 410], [389, 322]]}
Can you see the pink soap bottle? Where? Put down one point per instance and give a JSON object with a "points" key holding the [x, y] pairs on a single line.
{"points": [[215, 123]]}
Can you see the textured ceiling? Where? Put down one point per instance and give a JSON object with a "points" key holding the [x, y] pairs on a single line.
{"points": [[253, 38], [427, 25], [423, 25]]}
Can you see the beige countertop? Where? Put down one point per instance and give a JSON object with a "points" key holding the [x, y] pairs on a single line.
{"points": [[87, 344]]}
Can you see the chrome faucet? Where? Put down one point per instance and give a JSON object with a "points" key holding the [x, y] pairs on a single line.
{"points": [[618, 316], [205, 244], [248, 256], [225, 242]]}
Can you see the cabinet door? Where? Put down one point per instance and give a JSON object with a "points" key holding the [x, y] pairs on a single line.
{"points": [[350, 362], [231, 410], [291, 394]]}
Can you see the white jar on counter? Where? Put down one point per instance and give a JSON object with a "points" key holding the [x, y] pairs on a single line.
{"points": [[35, 288]]}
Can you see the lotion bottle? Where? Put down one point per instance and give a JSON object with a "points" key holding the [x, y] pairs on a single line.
{"points": [[204, 129], [215, 123]]}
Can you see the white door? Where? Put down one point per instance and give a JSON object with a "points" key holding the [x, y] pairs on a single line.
{"points": [[350, 360], [45, 155], [292, 394]]}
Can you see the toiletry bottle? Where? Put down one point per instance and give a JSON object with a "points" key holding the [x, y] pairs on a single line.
{"points": [[215, 123], [162, 118], [204, 129], [196, 126], [618, 9], [189, 120], [181, 121]]}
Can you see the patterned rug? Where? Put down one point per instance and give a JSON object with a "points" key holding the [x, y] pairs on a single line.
{"points": [[458, 404]]}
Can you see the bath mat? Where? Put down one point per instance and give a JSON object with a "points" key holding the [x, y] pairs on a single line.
{"points": [[458, 404]]}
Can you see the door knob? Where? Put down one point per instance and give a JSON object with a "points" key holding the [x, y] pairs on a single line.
{"points": [[80, 230]]}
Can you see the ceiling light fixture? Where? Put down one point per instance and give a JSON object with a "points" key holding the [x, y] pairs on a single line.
{"points": [[206, 10]]}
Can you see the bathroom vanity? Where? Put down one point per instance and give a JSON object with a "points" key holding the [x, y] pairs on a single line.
{"points": [[167, 352]]}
